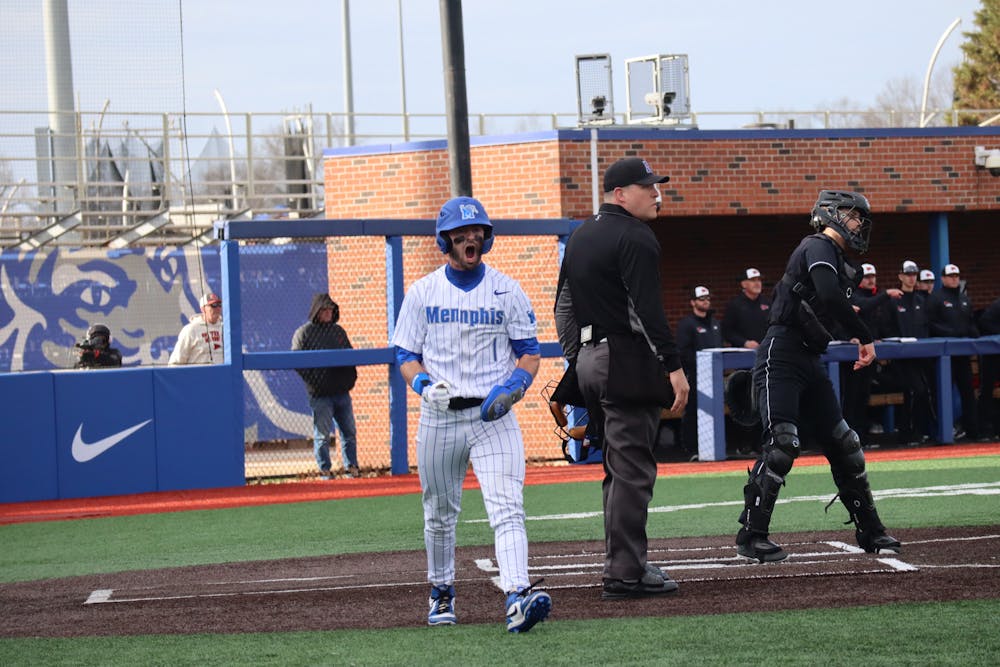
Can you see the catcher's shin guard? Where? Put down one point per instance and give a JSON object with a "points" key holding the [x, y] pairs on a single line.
{"points": [[847, 463], [869, 531], [759, 496], [761, 493]]}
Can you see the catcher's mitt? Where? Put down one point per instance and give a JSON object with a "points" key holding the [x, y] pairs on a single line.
{"points": [[741, 399]]}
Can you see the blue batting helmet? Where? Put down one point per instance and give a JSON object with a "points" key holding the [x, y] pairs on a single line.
{"points": [[459, 212]]}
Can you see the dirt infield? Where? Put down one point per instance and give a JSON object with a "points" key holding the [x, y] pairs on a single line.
{"points": [[322, 593]]}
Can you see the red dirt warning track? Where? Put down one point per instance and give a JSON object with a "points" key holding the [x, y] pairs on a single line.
{"points": [[293, 492]]}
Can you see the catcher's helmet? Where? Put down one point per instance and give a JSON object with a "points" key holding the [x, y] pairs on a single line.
{"points": [[741, 399], [99, 334], [832, 209], [459, 212]]}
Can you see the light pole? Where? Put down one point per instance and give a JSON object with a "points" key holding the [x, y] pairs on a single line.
{"points": [[348, 82], [402, 72], [930, 66], [232, 152]]}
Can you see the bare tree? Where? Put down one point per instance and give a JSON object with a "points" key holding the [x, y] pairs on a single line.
{"points": [[897, 105]]}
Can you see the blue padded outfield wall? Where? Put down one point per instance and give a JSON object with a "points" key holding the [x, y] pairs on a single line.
{"points": [[118, 431], [145, 296]]}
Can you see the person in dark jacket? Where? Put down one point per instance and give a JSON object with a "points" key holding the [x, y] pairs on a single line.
{"points": [[989, 372], [744, 322], [697, 331], [329, 387], [950, 315], [912, 377], [872, 307]]}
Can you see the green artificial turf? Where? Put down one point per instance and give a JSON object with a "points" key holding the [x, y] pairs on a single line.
{"points": [[88, 546], [952, 633]]}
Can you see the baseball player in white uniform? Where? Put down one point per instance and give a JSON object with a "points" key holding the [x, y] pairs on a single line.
{"points": [[466, 343]]}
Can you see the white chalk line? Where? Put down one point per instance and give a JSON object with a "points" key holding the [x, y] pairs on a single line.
{"points": [[970, 489], [488, 567]]}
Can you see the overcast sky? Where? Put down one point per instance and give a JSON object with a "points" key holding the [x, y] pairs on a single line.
{"points": [[283, 55], [768, 54]]}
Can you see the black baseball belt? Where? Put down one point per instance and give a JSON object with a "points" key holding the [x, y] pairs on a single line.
{"points": [[463, 403]]}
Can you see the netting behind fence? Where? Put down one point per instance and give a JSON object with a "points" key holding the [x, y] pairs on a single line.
{"points": [[277, 284]]}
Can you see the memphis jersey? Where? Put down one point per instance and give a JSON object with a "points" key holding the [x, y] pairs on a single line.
{"points": [[464, 337]]}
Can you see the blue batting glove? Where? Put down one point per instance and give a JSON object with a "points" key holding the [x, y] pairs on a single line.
{"points": [[503, 396], [420, 382]]}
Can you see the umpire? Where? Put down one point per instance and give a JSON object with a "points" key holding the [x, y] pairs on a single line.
{"points": [[792, 384], [608, 298]]}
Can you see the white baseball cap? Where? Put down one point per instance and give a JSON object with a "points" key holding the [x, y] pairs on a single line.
{"points": [[868, 269], [700, 292], [926, 274], [909, 266], [750, 274], [950, 270]]}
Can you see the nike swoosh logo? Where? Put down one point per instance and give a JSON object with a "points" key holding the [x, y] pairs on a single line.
{"points": [[496, 293], [86, 451]]}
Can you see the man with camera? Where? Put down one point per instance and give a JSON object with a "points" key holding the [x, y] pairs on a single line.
{"points": [[95, 350]]}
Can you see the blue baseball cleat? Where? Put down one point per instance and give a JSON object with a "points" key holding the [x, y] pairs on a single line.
{"points": [[442, 606], [526, 608]]}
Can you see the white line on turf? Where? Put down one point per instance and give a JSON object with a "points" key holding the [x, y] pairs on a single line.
{"points": [[970, 489]]}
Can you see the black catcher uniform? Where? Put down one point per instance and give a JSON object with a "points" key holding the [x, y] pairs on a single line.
{"points": [[792, 384]]}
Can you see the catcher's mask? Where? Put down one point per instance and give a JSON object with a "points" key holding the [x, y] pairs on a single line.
{"points": [[741, 399], [834, 207], [585, 431]]}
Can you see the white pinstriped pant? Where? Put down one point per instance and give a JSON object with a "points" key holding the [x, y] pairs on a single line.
{"points": [[446, 442]]}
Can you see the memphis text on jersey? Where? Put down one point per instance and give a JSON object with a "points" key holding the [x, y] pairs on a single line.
{"points": [[438, 315]]}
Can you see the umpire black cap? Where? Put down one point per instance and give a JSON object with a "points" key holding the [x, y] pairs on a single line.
{"points": [[630, 171]]}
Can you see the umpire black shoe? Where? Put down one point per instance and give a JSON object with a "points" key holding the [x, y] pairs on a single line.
{"points": [[669, 583], [651, 583], [757, 547], [877, 542]]}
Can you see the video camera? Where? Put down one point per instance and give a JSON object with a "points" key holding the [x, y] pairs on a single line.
{"points": [[94, 348], [89, 351]]}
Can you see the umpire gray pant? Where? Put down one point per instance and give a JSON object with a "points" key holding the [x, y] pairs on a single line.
{"points": [[629, 465]]}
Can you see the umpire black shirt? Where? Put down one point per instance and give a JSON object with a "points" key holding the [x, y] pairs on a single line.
{"points": [[612, 264]]}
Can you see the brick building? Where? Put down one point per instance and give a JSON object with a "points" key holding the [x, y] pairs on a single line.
{"points": [[736, 198]]}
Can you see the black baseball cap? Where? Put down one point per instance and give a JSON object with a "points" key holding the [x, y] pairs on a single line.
{"points": [[630, 171]]}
